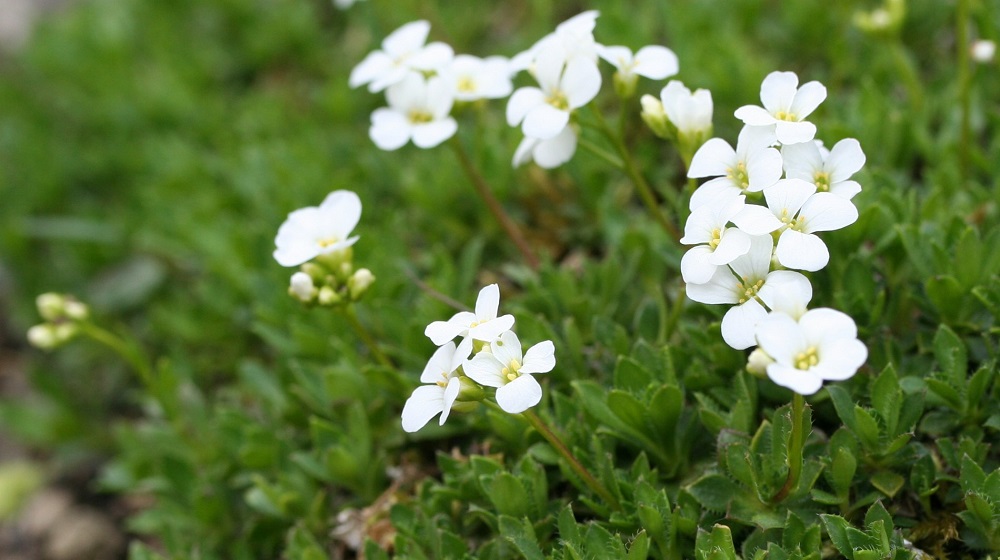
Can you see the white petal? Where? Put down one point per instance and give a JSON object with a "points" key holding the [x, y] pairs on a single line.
{"points": [[389, 130], [441, 332], [713, 159], [700, 224], [738, 324], [451, 392], [407, 38], [540, 358], [756, 220], [373, 66], [794, 132], [408, 94], [695, 266], [780, 337], [423, 404], [786, 291], [802, 161], [788, 196], [343, 210], [712, 192], [490, 330], [580, 82], [824, 323], [845, 159], [556, 151], [439, 97], [733, 243], [434, 56], [656, 62], [809, 96], [754, 116], [763, 169], [721, 288], [428, 135], [524, 151], [524, 100], [488, 302], [519, 395], [841, 359], [753, 139], [507, 349], [294, 255], [755, 264], [440, 364], [802, 382], [550, 61], [544, 122], [777, 91], [462, 353], [827, 212], [845, 189], [802, 251], [618, 56], [484, 369]]}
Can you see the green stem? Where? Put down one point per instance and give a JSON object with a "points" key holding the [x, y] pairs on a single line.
{"points": [[675, 313], [608, 157], [574, 464], [486, 193], [964, 86], [794, 450], [909, 74], [367, 338], [128, 352], [629, 167]]}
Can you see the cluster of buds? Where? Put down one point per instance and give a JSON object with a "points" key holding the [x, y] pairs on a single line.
{"points": [[680, 116], [317, 240], [63, 315]]}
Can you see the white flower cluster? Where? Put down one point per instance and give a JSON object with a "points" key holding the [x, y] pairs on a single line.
{"points": [[489, 355], [742, 251], [423, 81]]}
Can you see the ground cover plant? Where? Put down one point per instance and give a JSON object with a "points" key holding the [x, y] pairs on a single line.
{"points": [[341, 284]]}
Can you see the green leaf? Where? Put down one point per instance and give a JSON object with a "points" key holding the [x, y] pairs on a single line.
{"points": [[868, 430], [522, 535], [951, 355], [639, 549], [837, 528], [509, 496], [886, 398], [665, 411], [844, 405], [947, 392], [713, 491], [631, 376], [629, 409], [947, 295], [877, 512], [972, 477], [888, 482], [717, 545], [843, 465]]}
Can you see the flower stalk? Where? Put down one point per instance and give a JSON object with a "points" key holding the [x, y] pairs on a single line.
{"points": [[795, 444], [128, 352], [367, 338], [486, 193], [574, 464]]}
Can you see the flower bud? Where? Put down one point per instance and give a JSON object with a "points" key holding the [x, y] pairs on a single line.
{"points": [[757, 363], [654, 116], [625, 84], [359, 283], [76, 310], [301, 287], [328, 296], [469, 390], [48, 336], [51, 306]]}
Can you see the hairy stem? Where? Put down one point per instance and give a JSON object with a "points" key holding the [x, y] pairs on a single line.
{"points": [[794, 450]]}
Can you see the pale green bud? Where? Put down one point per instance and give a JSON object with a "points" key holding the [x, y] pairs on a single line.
{"points": [[301, 287], [359, 283], [625, 84], [51, 306], [76, 310], [655, 117], [328, 296], [469, 390], [757, 363], [48, 336]]}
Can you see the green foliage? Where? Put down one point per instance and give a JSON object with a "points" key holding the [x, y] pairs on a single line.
{"points": [[150, 149]]}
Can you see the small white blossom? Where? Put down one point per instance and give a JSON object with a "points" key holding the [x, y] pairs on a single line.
{"points": [[653, 61], [437, 397], [301, 287], [419, 110], [472, 78], [543, 112], [716, 242], [786, 107], [749, 287], [983, 51], [690, 113], [313, 231], [507, 369], [829, 170], [403, 51], [483, 325], [821, 346], [757, 362], [751, 167], [549, 153], [572, 38]]}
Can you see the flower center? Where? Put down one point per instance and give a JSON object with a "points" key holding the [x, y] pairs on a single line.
{"points": [[466, 84], [791, 222], [418, 116], [739, 175], [444, 380], [822, 181], [746, 290], [511, 371], [716, 238], [558, 100], [807, 359], [327, 241], [786, 116]]}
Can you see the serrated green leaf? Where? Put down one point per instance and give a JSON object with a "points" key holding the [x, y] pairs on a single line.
{"points": [[947, 295], [836, 528], [715, 545], [569, 531], [868, 429], [886, 398], [509, 496], [946, 392], [522, 535], [843, 465], [972, 477], [639, 549], [631, 376], [888, 482], [629, 409], [877, 512], [713, 491], [844, 405], [664, 411], [951, 355]]}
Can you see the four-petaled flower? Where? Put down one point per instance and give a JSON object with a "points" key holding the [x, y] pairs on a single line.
{"points": [[751, 167], [506, 368], [313, 231], [403, 51], [786, 107], [483, 325], [543, 112], [437, 397], [829, 170], [653, 61], [418, 109]]}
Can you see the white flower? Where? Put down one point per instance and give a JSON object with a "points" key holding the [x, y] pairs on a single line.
{"points": [[507, 369], [402, 52], [438, 397], [572, 38], [785, 107], [716, 243], [749, 286], [313, 231], [549, 153], [301, 287], [829, 170], [471, 77], [983, 51], [483, 325], [690, 112], [418, 109], [544, 112], [751, 167], [801, 212], [821, 346], [653, 61]]}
